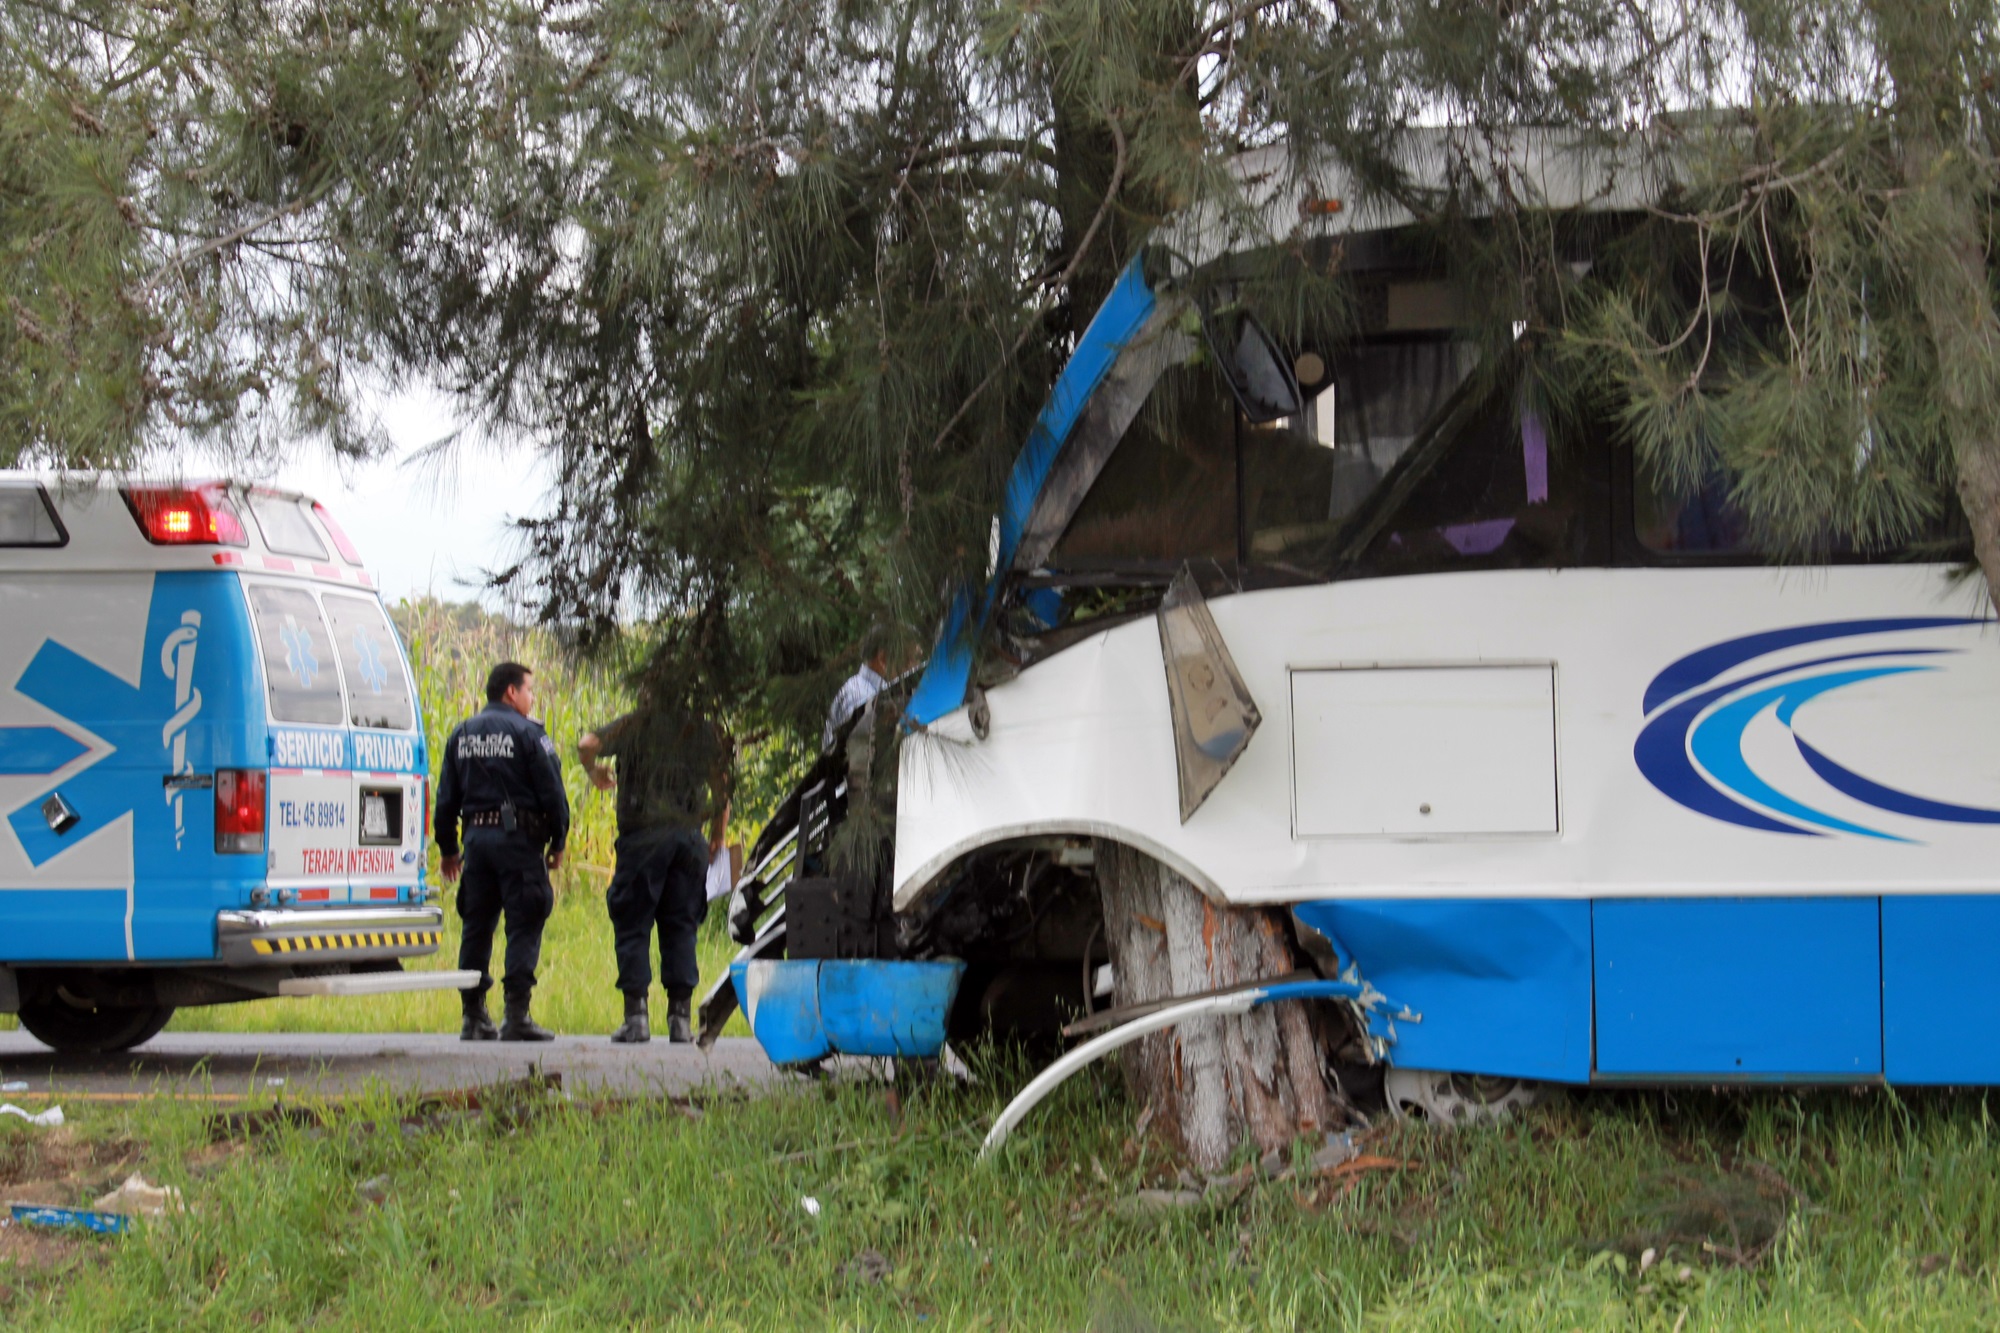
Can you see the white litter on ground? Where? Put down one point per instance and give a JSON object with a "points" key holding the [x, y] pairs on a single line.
{"points": [[47, 1119], [137, 1198]]}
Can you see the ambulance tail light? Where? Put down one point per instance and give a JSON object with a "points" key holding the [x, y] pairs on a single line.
{"points": [[186, 515], [339, 535], [239, 810]]}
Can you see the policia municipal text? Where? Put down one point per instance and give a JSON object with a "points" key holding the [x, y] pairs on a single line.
{"points": [[500, 772]]}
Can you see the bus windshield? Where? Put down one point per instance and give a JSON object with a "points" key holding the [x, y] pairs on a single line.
{"points": [[1411, 454]]}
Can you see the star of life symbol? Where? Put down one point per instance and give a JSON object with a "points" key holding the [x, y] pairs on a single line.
{"points": [[299, 657], [177, 661], [368, 661], [100, 712]]}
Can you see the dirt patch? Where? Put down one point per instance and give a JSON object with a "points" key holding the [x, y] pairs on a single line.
{"points": [[60, 1168], [214, 1156], [62, 1154], [32, 1250]]}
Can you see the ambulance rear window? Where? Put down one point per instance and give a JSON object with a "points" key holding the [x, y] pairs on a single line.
{"points": [[298, 656], [285, 526], [378, 694], [27, 518]]}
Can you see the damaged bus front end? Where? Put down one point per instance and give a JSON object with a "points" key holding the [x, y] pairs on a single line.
{"points": [[1539, 751]]}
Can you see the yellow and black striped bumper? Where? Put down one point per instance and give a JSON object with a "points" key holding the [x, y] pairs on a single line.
{"points": [[426, 940], [328, 935]]}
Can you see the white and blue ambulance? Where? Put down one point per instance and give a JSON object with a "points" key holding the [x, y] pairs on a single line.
{"points": [[212, 760]]}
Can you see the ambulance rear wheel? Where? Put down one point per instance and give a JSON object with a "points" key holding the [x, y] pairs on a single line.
{"points": [[75, 1029]]}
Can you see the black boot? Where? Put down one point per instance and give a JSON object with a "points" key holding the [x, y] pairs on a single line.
{"points": [[636, 1029], [478, 1023], [679, 1029], [517, 1026]]}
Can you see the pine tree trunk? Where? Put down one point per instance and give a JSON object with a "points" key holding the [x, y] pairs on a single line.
{"points": [[1211, 1083], [1949, 267]]}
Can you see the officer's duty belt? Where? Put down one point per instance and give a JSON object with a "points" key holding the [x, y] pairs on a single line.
{"points": [[529, 822]]}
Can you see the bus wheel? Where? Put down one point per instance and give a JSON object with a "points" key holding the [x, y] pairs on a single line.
{"points": [[1455, 1099], [74, 1029]]}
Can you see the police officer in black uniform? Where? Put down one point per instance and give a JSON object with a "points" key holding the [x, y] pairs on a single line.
{"points": [[501, 773], [673, 783]]}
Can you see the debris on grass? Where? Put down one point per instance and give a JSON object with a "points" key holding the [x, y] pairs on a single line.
{"points": [[79, 1219], [811, 1205], [136, 1198], [48, 1119], [1338, 1151]]}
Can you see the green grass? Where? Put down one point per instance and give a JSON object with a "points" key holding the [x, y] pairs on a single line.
{"points": [[1773, 1211]]}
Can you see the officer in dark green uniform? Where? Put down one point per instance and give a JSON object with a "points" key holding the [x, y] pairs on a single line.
{"points": [[673, 783]]}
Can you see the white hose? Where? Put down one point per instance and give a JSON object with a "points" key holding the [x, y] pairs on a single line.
{"points": [[1238, 1002]]}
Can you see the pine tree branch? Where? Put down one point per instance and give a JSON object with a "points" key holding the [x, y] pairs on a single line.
{"points": [[1026, 148], [1063, 280], [219, 243]]}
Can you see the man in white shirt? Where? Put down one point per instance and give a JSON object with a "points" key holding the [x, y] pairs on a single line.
{"points": [[861, 687]]}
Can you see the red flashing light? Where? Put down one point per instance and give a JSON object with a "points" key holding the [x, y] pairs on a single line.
{"points": [[239, 810], [333, 530], [186, 515]]}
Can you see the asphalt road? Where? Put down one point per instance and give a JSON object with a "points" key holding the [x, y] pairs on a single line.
{"points": [[232, 1066]]}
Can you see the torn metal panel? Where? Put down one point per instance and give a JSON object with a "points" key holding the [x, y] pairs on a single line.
{"points": [[1118, 325], [1159, 343], [1503, 985], [1125, 312], [1214, 716]]}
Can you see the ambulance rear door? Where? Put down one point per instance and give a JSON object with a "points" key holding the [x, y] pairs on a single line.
{"points": [[312, 823], [390, 767]]}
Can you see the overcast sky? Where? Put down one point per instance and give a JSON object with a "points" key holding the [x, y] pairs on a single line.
{"points": [[420, 527]]}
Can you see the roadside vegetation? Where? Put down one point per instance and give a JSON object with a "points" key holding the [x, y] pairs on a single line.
{"points": [[1759, 1210]]}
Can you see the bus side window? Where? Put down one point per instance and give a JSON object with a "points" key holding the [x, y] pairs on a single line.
{"points": [[1486, 502], [298, 656], [375, 683], [1676, 519], [1701, 520]]}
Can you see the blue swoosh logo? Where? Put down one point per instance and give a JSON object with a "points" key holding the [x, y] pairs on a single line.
{"points": [[1691, 748]]}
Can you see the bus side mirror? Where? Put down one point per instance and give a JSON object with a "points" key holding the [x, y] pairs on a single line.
{"points": [[1258, 373]]}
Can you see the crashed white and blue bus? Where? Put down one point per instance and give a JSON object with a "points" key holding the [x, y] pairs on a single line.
{"points": [[213, 774], [1578, 784]]}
